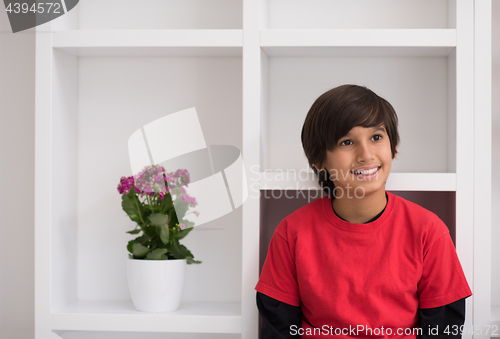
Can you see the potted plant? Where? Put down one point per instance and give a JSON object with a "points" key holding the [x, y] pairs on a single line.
{"points": [[157, 261]]}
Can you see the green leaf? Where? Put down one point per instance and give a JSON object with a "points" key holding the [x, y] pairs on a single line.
{"points": [[181, 208], [144, 239], [189, 224], [172, 217], [190, 260], [189, 254], [158, 219], [157, 254], [181, 252], [178, 251], [156, 243], [129, 246], [166, 204], [164, 234], [130, 207], [140, 251], [150, 231], [181, 234], [136, 231], [145, 214]]}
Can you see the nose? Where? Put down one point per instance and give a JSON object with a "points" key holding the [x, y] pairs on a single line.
{"points": [[364, 153]]}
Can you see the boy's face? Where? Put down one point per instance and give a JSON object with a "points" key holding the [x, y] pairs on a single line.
{"points": [[361, 147]]}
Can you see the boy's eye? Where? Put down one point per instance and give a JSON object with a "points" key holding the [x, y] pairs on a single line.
{"points": [[375, 136]]}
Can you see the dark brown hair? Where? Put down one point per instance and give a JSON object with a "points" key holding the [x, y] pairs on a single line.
{"points": [[334, 114]]}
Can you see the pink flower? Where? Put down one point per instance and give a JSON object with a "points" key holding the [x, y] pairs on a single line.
{"points": [[125, 185], [153, 181], [150, 180]]}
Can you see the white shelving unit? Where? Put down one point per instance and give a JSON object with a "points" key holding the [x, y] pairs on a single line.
{"points": [[483, 312], [495, 185], [252, 69], [120, 316]]}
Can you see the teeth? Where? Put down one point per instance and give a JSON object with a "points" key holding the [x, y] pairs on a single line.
{"points": [[366, 172]]}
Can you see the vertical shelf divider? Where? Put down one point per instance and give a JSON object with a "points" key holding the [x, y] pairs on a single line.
{"points": [[464, 148], [482, 167], [43, 182], [251, 157]]}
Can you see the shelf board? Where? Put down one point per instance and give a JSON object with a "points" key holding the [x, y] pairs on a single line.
{"points": [[294, 180], [220, 42], [192, 317], [362, 42]]}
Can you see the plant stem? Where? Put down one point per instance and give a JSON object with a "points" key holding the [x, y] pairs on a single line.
{"points": [[138, 209]]}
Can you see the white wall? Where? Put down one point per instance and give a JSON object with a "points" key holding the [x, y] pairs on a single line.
{"points": [[495, 203], [17, 150]]}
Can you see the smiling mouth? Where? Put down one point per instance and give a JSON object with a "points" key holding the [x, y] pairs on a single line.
{"points": [[366, 173]]}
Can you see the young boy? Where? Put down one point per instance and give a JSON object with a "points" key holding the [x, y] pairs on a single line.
{"points": [[360, 262]]}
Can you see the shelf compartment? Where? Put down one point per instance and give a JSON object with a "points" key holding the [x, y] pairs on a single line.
{"points": [[353, 14], [153, 14], [121, 316], [422, 91], [150, 43], [291, 180], [97, 103]]}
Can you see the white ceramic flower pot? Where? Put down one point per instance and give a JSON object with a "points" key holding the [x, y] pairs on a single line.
{"points": [[156, 285]]}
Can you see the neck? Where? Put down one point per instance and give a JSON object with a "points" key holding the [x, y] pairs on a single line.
{"points": [[359, 211]]}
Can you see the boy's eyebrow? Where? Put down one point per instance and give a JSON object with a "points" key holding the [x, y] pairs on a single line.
{"points": [[381, 129]]}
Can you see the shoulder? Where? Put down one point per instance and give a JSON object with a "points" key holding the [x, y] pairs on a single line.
{"points": [[418, 219], [302, 219]]}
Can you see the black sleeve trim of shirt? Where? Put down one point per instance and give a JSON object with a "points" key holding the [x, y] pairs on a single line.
{"points": [[277, 318], [435, 321]]}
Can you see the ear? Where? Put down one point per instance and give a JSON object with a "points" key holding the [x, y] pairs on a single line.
{"points": [[396, 153]]}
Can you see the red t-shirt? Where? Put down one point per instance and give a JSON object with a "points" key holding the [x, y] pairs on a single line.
{"points": [[375, 275]]}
